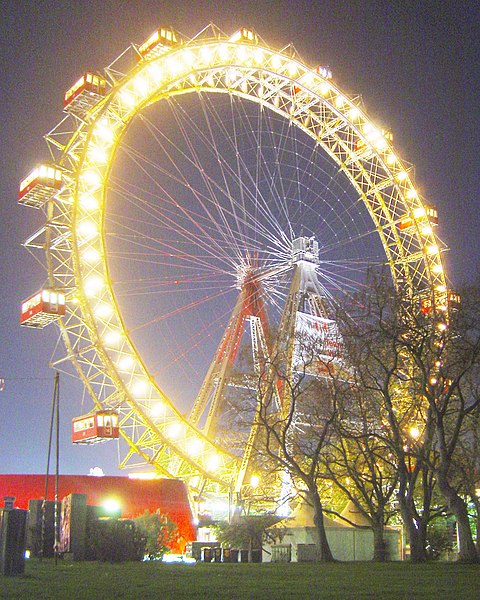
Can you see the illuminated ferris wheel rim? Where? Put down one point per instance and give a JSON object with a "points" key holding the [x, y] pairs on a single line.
{"points": [[243, 66]]}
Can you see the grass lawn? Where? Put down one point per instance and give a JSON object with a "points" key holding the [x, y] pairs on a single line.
{"points": [[345, 581]]}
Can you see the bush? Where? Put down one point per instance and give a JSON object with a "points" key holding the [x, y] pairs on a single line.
{"points": [[113, 540], [157, 532], [439, 539]]}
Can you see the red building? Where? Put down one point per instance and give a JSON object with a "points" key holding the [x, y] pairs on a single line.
{"points": [[134, 496]]}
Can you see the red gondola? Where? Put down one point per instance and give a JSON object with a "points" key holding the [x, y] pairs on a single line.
{"points": [[96, 427], [42, 308]]}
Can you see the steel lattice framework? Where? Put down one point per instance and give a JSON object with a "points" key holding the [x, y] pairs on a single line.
{"points": [[84, 145]]}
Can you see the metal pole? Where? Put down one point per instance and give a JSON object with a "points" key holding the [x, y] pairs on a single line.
{"points": [[47, 473], [57, 463]]}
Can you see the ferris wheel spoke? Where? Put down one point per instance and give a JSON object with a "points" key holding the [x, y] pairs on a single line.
{"points": [[242, 178]]}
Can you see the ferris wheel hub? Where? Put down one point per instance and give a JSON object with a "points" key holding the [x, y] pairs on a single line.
{"points": [[305, 249]]}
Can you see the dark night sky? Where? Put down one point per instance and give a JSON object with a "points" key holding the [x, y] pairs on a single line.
{"points": [[415, 63]]}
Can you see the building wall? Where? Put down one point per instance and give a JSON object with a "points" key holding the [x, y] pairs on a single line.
{"points": [[135, 496], [346, 543]]}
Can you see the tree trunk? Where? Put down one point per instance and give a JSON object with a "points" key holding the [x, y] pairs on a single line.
{"points": [[477, 523], [380, 550], [467, 551], [416, 533], [324, 554]]}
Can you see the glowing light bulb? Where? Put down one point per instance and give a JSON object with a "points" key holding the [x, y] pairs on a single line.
{"points": [[324, 88], [91, 255], [414, 432], [158, 409], [213, 462], [93, 285], [103, 310], [354, 113], [126, 362], [91, 178], [97, 154], [112, 337], [104, 130], [194, 447], [139, 388], [87, 229], [88, 202], [174, 430]]}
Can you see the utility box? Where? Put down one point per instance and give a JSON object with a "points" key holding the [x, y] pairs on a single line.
{"points": [[13, 529]]}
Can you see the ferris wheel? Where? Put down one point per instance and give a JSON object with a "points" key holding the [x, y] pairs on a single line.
{"points": [[202, 191]]}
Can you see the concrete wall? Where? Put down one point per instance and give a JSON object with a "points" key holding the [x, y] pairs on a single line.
{"points": [[346, 543]]}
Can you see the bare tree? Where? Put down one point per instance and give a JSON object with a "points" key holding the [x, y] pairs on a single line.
{"points": [[420, 368], [359, 461], [295, 417]]}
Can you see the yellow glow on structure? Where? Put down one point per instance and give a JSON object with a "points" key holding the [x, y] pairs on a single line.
{"points": [[157, 409], [194, 446], [91, 255], [206, 52], [324, 88], [104, 130], [241, 53], [147, 475], [188, 58], [155, 72], [223, 52], [340, 101], [432, 249], [259, 56], [174, 65], [441, 288], [411, 194], [276, 61], [126, 362], [127, 98], [88, 202], [174, 430], [308, 78], [437, 268], [92, 285], [292, 69], [213, 462], [380, 143], [87, 229], [254, 481], [112, 337], [391, 159], [401, 175], [442, 326], [427, 230], [354, 113], [91, 178], [97, 154], [139, 388], [141, 85], [103, 310], [419, 212]]}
